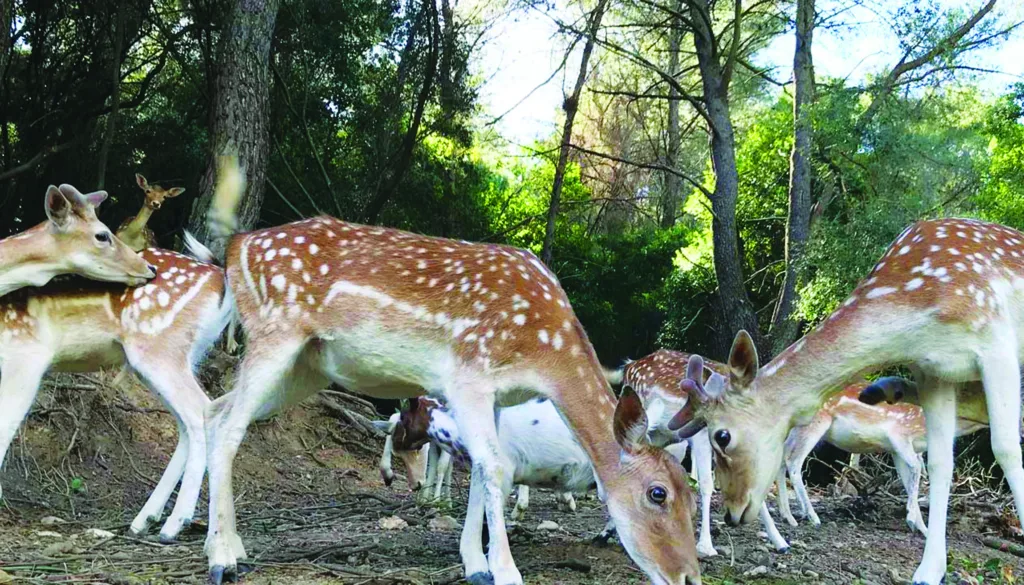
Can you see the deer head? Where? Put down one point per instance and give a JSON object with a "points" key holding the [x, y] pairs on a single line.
{"points": [[155, 194], [75, 241]]}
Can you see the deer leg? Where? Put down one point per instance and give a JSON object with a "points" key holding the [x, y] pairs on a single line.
{"points": [[384, 466], [174, 382], [804, 439], [701, 459], [939, 404], [471, 544], [425, 494], [153, 509], [266, 371], [19, 385], [473, 409], [1001, 378], [522, 502], [443, 479], [783, 499], [908, 466], [776, 538]]}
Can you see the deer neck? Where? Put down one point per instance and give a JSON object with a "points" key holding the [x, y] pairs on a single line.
{"points": [[587, 405], [23, 261], [137, 224], [821, 364]]}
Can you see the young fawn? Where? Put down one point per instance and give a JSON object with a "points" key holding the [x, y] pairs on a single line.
{"points": [[389, 313], [947, 301]]}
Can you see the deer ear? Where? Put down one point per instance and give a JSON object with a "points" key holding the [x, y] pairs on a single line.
{"points": [[742, 361], [175, 191], [95, 198], [58, 208], [141, 182], [630, 423]]}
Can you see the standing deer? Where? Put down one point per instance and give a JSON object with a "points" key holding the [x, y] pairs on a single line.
{"points": [[163, 329], [856, 427], [133, 231], [946, 300], [71, 241], [389, 313]]}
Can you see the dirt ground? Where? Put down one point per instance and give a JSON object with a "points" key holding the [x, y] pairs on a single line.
{"points": [[310, 505]]}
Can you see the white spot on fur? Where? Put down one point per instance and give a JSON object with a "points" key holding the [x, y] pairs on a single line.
{"points": [[519, 319], [914, 284], [880, 292]]}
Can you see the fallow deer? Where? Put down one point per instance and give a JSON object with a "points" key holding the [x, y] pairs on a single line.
{"points": [[946, 300], [659, 379], [855, 427], [389, 313], [163, 329], [134, 231], [71, 241]]}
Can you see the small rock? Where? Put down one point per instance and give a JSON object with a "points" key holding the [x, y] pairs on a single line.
{"points": [[547, 525], [758, 570], [811, 574], [51, 520], [798, 544], [762, 534], [443, 524], [49, 534], [99, 534], [725, 551], [393, 523], [58, 548]]}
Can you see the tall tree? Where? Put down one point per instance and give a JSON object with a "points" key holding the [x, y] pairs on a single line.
{"points": [[570, 105], [798, 224], [115, 98], [241, 109], [735, 311], [672, 198]]}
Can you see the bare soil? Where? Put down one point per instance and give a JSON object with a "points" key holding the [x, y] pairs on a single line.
{"points": [[310, 503]]}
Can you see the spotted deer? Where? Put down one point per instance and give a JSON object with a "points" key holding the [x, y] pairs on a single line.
{"points": [[856, 427], [71, 241], [947, 301], [163, 329], [133, 231], [390, 313], [660, 380]]}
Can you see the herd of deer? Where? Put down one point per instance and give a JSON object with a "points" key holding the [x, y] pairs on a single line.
{"points": [[515, 387]]}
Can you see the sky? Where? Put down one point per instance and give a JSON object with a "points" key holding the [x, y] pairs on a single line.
{"points": [[523, 52]]}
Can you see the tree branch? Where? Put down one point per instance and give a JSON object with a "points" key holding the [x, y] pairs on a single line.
{"points": [[650, 166]]}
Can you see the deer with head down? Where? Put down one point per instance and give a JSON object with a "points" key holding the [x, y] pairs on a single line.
{"points": [[134, 231], [390, 313], [71, 241], [947, 301]]}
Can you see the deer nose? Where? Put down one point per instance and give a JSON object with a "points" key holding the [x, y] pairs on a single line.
{"points": [[692, 580], [152, 268], [730, 519]]}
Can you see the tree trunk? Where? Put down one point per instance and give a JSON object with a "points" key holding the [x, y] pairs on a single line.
{"points": [[672, 198], [736, 310], [6, 18], [115, 99], [240, 110], [570, 105], [798, 227]]}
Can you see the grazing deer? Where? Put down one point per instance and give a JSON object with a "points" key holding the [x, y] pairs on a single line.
{"points": [[71, 241], [855, 427], [390, 313], [163, 329], [659, 379], [133, 231], [946, 300]]}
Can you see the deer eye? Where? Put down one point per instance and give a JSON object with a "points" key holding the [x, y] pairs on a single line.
{"points": [[657, 494], [103, 237], [722, 437]]}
